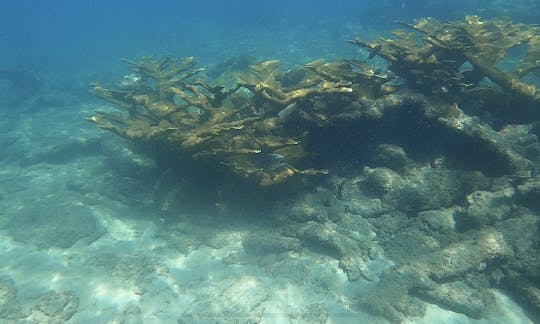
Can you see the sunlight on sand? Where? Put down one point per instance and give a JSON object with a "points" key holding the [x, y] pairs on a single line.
{"points": [[178, 263], [114, 295]]}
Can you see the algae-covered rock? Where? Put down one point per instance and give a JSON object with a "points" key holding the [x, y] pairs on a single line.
{"points": [[264, 243], [57, 306], [390, 156], [466, 256], [441, 221], [49, 307], [519, 272], [305, 271], [232, 301], [8, 293], [461, 298], [488, 207], [59, 226], [318, 207], [391, 297], [382, 180], [325, 238], [357, 203], [529, 193], [316, 313], [423, 188], [343, 243], [526, 292]]}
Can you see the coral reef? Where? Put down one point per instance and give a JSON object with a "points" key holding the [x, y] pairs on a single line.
{"points": [[242, 127], [430, 179], [246, 125], [438, 62]]}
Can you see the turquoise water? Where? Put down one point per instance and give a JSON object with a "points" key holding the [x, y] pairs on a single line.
{"points": [[417, 218]]}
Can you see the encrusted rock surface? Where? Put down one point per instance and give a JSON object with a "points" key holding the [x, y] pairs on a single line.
{"points": [[71, 223], [49, 307], [8, 293], [238, 301], [264, 243]]}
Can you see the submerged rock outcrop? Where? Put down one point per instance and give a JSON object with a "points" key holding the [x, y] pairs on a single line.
{"points": [[428, 180]]}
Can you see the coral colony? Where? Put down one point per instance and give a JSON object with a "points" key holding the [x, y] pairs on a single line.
{"points": [[260, 124]]}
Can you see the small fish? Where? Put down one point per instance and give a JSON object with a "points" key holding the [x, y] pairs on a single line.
{"points": [[374, 51], [271, 161], [286, 112], [130, 80]]}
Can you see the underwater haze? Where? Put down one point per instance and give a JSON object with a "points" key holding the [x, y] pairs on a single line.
{"points": [[76, 35], [269, 161]]}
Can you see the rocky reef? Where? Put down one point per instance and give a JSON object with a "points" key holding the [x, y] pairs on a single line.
{"points": [[428, 163]]}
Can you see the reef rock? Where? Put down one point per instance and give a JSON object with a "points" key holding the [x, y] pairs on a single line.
{"points": [[237, 301], [264, 243], [486, 207], [59, 226], [434, 273], [8, 293]]}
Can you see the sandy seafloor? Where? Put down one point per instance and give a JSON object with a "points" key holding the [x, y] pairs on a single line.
{"points": [[76, 250]]}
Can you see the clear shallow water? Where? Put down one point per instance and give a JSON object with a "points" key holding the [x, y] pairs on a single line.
{"points": [[88, 227]]}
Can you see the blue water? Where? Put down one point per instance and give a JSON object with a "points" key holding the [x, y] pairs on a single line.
{"points": [[70, 36], [89, 232]]}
